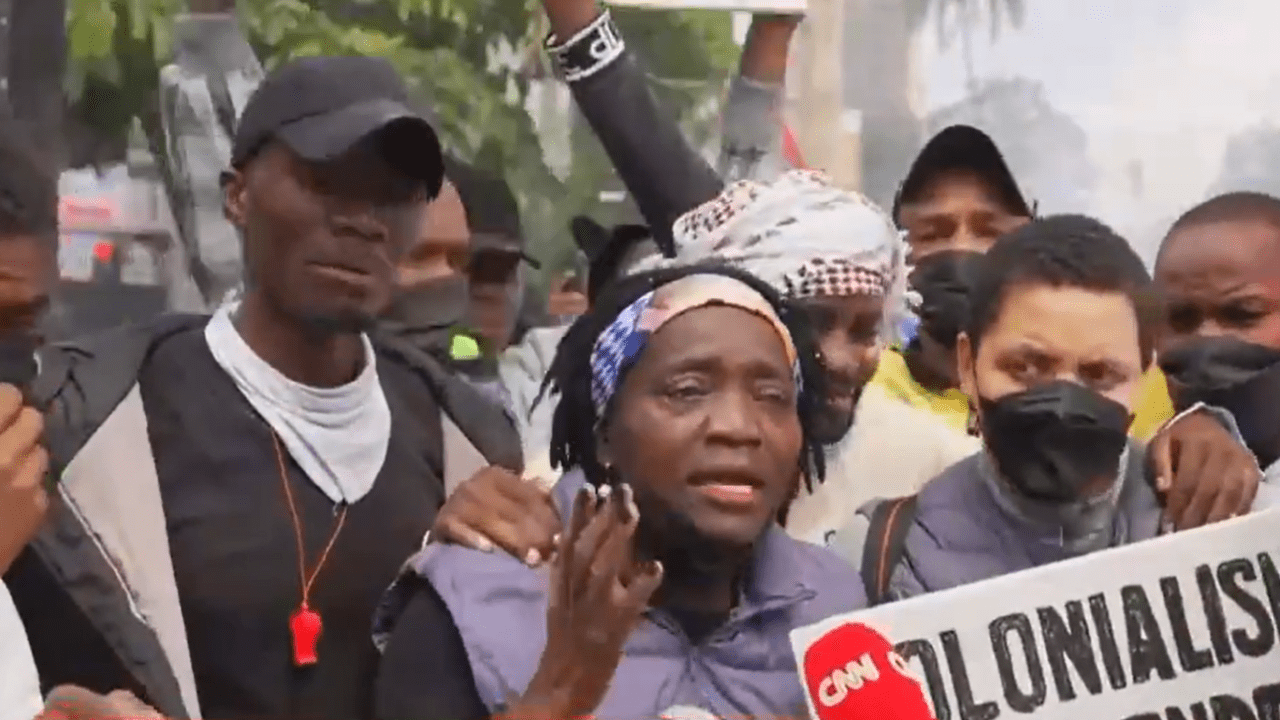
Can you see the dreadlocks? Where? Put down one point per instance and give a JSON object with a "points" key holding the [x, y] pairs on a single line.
{"points": [[574, 425]]}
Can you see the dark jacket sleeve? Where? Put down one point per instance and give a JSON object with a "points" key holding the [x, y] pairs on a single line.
{"points": [[661, 170], [425, 674]]}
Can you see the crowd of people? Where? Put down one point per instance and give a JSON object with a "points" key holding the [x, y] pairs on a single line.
{"points": [[367, 485]]}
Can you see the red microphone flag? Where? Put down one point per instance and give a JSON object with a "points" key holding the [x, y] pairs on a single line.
{"points": [[853, 673]]}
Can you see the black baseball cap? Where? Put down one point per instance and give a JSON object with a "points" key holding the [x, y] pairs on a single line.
{"points": [[493, 215], [321, 106], [962, 147]]}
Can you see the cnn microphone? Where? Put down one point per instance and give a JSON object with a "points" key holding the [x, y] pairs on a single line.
{"points": [[853, 673]]}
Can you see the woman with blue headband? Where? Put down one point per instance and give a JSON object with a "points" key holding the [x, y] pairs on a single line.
{"points": [[688, 401]]}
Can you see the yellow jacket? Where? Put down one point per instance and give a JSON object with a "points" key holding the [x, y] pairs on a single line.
{"points": [[1152, 410]]}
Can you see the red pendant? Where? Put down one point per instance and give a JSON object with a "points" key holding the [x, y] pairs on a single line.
{"points": [[305, 625]]}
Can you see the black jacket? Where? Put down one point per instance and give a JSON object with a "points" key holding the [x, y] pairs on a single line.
{"points": [[661, 170], [103, 557]]}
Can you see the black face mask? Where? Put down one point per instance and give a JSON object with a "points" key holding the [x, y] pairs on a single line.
{"points": [[1237, 376], [1050, 441], [944, 281], [426, 315]]}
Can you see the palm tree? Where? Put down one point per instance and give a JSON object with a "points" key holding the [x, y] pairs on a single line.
{"points": [[879, 77]]}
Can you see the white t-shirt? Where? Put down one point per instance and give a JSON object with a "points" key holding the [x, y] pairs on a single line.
{"points": [[19, 683], [892, 450]]}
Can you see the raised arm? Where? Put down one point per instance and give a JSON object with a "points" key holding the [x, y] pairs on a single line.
{"points": [[751, 140], [664, 174], [201, 95]]}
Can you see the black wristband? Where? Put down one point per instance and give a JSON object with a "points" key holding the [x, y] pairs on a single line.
{"points": [[590, 50]]}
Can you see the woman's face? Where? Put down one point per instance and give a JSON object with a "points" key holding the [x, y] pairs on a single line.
{"points": [[705, 427]]}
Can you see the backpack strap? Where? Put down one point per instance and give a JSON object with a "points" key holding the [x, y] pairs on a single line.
{"points": [[886, 543]]}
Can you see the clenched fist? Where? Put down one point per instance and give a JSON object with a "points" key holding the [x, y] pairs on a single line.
{"points": [[23, 462]]}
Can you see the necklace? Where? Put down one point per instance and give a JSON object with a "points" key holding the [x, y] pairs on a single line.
{"points": [[305, 624]]}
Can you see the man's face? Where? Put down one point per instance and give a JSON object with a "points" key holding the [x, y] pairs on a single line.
{"points": [[956, 210], [848, 330], [1046, 333], [322, 240], [495, 297], [443, 244], [27, 268], [1221, 279]]}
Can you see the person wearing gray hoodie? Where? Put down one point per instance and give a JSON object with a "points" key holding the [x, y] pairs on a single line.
{"points": [[1063, 323]]}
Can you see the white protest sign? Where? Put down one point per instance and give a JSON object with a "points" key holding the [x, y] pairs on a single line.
{"points": [[761, 6], [1179, 628]]}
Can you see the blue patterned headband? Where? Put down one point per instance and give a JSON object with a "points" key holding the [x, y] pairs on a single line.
{"points": [[621, 343]]}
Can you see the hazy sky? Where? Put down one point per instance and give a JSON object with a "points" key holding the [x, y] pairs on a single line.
{"points": [[1161, 82]]}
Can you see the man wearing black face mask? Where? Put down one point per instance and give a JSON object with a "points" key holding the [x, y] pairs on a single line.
{"points": [[497, 270], [958, 197], [431, 298], [1062, 327], [460, 274], [1219, 268]]}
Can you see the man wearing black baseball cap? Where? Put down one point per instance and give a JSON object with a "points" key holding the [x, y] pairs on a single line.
{"points": [[322, 107], [959, 194], [496, 271], [958, 197], [336, 127], [247, 485]]}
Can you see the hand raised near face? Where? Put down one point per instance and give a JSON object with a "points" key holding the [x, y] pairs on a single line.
{"points": [[23, 463], [598, 594]]}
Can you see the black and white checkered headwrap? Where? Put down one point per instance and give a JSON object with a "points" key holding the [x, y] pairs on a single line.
{"points": [[799, 233]]}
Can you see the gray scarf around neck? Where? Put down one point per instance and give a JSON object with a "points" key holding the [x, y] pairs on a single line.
{"points": [[1078, 528], [338, 436]]}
